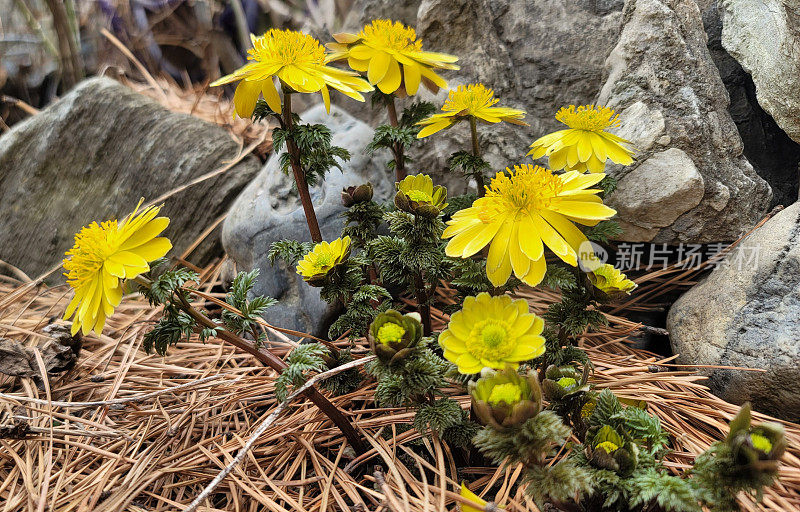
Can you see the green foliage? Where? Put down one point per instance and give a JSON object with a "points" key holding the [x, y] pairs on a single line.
{"points": [[604, 231], [262, 111], [411, 380], [303, 359], [559, 482], [608, 184], [365, 304], [559, 277], [397, 138], [438, 415], [290, 251], [669, 492], [343, 382], [643, 427], [535, 440], [572, 314], [163, 287], [317, 154], [559, 355], [416, 112], [606, 407], [250, 310], [362, 221], [461, 434], [174, 326], [467, 163]]}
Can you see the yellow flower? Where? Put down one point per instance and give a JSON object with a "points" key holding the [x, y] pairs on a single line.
{"points": [[379, 50], [315, 266], [585, 144], [105, 254], [493, 332], [523, 211], [610, 280], [416, 194], [466, 493], [298, 60], [472, 100]]}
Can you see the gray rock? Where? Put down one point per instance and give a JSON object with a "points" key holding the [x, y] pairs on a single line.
{"points": [[764, 36], [661, 75], [528, 51], [268, 210], [747, 314], [774, 155], [92, 155], [656, 193]]}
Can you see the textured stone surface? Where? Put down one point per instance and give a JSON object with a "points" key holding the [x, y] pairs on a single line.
{"points": [[528, 51], [773, 154], [747, 314], [269, 210], [661, 75], [657, 192], [764, 36], [92, 155]]}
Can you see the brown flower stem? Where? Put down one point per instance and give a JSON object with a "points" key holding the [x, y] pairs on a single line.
{"points": [[299, 174], [278, 364], [422, 302], [476, 151], [399, 157]]}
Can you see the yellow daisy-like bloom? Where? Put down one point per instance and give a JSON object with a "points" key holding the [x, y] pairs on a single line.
{"points": [[474, 100], [492, 332], [382, 47], [315, 266], [105, 254], [585, 145], [298, 60], [522, 212], [610, 280]]}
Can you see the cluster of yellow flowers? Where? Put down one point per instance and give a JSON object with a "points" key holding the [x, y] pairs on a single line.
{"points": [[525, 209]]}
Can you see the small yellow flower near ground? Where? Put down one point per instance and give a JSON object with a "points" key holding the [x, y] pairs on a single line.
{"points": [[298, 60], [523, 211], [474, 100], [585, 145], [315, 266], [381, 48], [610, 280], [466, 493], [105, 254], [492, 332], [417, 195]]}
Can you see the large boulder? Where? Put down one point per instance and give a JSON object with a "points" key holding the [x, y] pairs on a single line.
{"points": [[268, 210], [93, 155], [747, 314], [764, 36], [537, 55], [674, 109]]}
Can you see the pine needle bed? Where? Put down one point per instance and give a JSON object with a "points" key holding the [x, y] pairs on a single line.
{"points": [[168, 425]]}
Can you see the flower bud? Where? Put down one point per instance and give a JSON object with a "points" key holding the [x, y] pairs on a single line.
{"points": [[393, 336], [417, 195], [759, 447], [360, 194], [503, 400], [608, 450], [562, 382], [611, 281]]}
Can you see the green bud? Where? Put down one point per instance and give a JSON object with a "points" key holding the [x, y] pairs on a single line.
{"points": [[393, 336], [503, 400]]}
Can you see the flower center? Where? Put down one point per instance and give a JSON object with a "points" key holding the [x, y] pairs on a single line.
{"points": [[566, 382], [507, 393], [390, 333], [93, 245], [608, 446], [489, 340], [761, 443], [419, 196], [390, 35], [286, 47], [471, 98], [588, 117], [528, 188], [324, 260]]}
